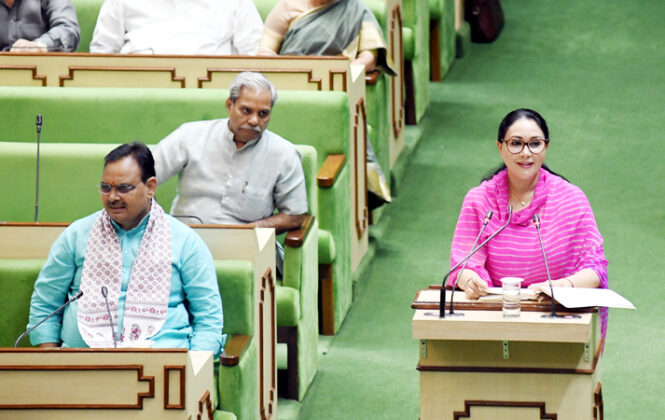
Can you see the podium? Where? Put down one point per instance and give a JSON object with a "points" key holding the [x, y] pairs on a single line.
{"points": [[483, 366], [59, 383]]}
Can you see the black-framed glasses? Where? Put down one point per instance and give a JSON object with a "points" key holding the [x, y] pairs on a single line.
{"points": [[105, 188], [515, 145]]}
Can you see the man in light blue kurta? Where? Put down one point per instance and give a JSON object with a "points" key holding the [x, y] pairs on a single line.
{"points": [[194, 314]]}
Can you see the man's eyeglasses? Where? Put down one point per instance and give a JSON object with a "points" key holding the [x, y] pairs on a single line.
{"points": [[515, 145], [105, 188]]}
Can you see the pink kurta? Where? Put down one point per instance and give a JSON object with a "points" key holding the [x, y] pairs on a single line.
{"points": [[570, 234]]}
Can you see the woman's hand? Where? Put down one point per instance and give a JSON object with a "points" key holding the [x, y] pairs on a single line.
{"points": [[564, 282], [474, 286]]}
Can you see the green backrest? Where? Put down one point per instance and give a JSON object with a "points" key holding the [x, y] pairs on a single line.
{"points": [[236, 286], [86, 12], [118, 115], [17, 279]]}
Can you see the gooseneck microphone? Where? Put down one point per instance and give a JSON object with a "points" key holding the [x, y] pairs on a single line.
{"points": [[67, 302], [38, 124], [105, 293], [488, 216], [442, 299]]}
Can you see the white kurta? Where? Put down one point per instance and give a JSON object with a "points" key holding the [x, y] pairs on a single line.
{"points": [[196, 27]]}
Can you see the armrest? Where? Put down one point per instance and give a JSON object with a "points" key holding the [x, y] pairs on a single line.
{"points": [[372, 77], [234, 349], [329, 171], [295, 238]]}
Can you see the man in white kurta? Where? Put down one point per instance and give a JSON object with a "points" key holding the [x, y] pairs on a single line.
{"points": [[194, 27], [233, 170]]}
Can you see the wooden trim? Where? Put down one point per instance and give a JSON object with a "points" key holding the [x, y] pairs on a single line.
{"points": [[519, 404], [295, 238], [234, 349], [527, 306], [248, 226], [35, 76], [205, 399], [435, 71], [331, 79], [174, 56], [494, 369], [211, 70], [171, 70], [61, 350], [326, 300], [167, 383], [361, 217], [330, 170], [598, 406], [267, 282], [139, 375], [398, 106], [34, 224]]}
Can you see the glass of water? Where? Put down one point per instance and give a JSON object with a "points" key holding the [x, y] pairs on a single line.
{"points": [[511, 296]]}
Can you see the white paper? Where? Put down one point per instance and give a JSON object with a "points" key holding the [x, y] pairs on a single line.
{"points": [[582, 297]]}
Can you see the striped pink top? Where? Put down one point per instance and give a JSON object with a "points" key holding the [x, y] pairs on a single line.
{"points": [[568, 227]]}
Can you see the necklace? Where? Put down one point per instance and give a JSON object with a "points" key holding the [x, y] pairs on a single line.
{"points": [[524, 203]]}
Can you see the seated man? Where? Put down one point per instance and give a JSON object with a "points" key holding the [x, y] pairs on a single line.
{"points": [[155, 272], [233, 170], [201, 27], [38, 26]]}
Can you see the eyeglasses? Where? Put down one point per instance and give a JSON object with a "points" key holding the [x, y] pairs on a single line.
{"points": [[105, 188], [515, 145]]}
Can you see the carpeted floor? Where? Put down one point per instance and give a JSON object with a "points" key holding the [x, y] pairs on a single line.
{"points": [[596, 72]]}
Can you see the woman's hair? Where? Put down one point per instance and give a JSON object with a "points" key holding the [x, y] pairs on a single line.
{"points": [[509, 120]]}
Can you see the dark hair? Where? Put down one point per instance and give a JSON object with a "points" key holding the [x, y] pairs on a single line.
{"points": [[141, 154], [509, 120]]}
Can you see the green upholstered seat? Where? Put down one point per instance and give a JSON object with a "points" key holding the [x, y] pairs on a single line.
{"points": [[238, 385]]}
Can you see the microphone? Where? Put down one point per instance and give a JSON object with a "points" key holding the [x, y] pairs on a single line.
{"points": [[442, 300], [105, 293], [536, 221], [459, 274], [38, 124], [67, 302]]}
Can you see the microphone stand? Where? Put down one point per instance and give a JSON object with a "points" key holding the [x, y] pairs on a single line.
{"points": [[452, 292], [38, 123], [442, 299], [72, 299], [105, 293]]}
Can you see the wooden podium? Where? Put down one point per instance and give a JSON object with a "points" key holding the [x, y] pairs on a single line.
{"points": [[106, 384], [483, 366]]}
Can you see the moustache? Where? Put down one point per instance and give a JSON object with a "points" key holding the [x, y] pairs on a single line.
{"points": [[250, 127]]}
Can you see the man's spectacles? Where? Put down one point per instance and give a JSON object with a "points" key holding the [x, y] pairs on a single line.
{"points": [[105, 188], [515, 145]]}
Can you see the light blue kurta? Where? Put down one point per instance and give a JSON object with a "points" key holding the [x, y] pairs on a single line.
{"points": [[193, 279]]}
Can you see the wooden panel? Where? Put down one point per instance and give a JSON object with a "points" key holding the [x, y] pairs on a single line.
{"points": [[20, 75], [174, 387], [491, 325], [145, 77], [397, 98], [359, 145], [267, 362], [30, 383], [300, 79], [510, 409]]}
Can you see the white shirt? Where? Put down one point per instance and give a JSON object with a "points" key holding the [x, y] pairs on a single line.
{"points": [[193, 27], [221, 184]]}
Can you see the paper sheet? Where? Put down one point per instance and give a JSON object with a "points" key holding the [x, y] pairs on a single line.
{"points": [[580, 297]]}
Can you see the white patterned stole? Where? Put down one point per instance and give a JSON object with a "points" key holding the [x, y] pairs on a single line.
{"points": [[147, 297]]}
